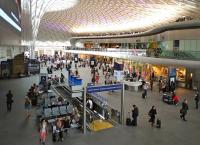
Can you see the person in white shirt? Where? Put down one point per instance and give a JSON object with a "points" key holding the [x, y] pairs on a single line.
{"points": [[89, 103]]}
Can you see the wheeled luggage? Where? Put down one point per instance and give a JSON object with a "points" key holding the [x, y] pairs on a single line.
{"points": [[133, 123], [128, 120], [158, 123], [144, 94]]}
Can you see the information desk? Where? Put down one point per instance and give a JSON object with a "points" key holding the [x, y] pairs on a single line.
{"points": [[135, 85]]}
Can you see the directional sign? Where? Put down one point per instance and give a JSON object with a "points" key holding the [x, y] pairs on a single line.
{"points": [[93, 89]]}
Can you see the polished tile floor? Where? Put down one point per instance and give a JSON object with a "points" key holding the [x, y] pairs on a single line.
{"points": [[16, 130]]}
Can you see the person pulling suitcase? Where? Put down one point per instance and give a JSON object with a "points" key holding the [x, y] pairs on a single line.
{"points": [[135, 113], [144, 94]]}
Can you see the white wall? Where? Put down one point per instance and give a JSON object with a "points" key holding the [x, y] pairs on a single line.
{"points": [[8, 52], [48, 50], [168, 45]]}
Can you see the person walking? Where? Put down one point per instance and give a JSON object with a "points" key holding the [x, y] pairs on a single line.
{"points": [[184, 109], [27, 105], [59, 127], [43, 132], [144, 94], [152, 113], [172, 86], [197, 100], [9, 100], [151, 84], [159, 85], [97, 77], [135, 113]]}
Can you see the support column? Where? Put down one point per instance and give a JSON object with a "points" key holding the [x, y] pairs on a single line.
{"points": [[122, 104], [32, 51], [84, 111]]}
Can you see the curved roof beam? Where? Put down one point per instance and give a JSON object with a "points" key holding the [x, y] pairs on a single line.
{"points": [[172, 26]]}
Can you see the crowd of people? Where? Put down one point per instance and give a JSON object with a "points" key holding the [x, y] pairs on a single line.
{"points": [[62, 124]]}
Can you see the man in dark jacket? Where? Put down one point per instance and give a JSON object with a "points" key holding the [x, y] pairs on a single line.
{"points": [[135, 113], [197, 100], [9, 100], [184, 110], [152, 114]]}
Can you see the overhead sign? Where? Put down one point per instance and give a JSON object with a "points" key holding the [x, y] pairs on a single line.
{"points": [[93, 89]]}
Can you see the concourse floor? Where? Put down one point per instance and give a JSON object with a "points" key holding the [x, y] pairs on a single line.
{"points": [[15, 129]]}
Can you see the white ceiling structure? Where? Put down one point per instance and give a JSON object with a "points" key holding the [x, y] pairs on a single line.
{"points": [[58, 20]]}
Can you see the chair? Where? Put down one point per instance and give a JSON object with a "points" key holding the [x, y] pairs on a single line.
{"points": [[55, 111], [47, 112], [47, 101], [63, 110]]}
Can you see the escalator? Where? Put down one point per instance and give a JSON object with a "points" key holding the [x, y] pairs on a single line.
{"points": [[95, 121]]}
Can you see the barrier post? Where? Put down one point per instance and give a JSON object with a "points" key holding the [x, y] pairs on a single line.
{"points": [[84, 111], [122, 104]]}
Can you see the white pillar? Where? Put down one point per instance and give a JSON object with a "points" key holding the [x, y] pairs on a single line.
{"points": [[32, 51]]}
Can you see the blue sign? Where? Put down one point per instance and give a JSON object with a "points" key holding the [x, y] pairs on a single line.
{"points": [[93, 89], [172, 72]]}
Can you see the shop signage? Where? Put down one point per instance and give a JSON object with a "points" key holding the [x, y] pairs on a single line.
{"points": [[172, 71], [93, 89]]}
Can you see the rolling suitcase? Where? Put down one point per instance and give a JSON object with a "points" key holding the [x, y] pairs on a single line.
{"points": [[128, 120], [158, 123], [144, 95], [133, 123]]}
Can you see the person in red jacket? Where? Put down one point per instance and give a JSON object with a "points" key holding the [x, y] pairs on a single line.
{"points": [[175, 99]]}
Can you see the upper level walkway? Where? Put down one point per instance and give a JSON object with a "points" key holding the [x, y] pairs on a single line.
{"points": [[179, 58]]}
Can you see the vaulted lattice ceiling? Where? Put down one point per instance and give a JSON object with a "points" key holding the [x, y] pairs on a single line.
{"points": [[110, 16]]}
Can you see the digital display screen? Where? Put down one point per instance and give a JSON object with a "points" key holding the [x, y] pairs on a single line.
{"points": [[10, 11]]}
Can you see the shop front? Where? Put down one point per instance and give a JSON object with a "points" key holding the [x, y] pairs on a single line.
{"points": [[180, 75]]}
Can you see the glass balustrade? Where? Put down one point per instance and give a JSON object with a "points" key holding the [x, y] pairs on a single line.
{"points": [[157, 53]]}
